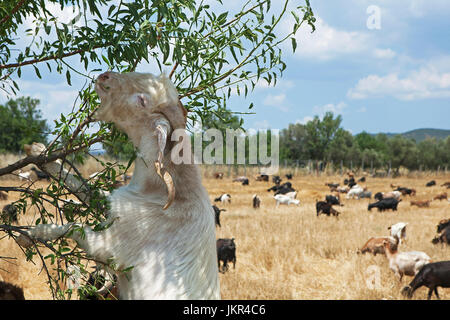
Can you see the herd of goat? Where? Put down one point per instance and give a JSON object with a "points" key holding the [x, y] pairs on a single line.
{"points": [[412, 263]]}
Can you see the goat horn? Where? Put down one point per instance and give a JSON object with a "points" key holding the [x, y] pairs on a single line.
{"points": [[167, 178]]}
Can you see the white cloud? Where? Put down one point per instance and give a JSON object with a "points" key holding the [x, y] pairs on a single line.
{"points": [[384, 53], [277, 101], [430, 81], [54, 98], [335, 108], [326, 42]]}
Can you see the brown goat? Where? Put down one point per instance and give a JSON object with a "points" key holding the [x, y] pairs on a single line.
{"points": [[218, 175], [421, 204], [442, 196], [375, 245]]}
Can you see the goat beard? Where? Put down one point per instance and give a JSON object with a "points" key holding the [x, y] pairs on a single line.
{"points": [[160, 170]]}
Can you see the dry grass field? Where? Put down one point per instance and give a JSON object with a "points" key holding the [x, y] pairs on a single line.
{"points": [[288, 252]]}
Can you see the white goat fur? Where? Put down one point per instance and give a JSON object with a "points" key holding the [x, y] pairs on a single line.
{"points": [[283, 199], [399, 230], [356, 190], [172, 251]]}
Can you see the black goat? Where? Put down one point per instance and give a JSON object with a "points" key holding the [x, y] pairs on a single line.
{"points": [[282, 189], [432, 276], [333, 200], [276, 180], [217, 212], [226, 252], [431, 183], [245, 182], [325, 208], [256, 201], [385, 204], [9, 291], [289, 176]]}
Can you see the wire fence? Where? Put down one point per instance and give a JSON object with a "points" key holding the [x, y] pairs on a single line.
{"points": [[322, 168]]}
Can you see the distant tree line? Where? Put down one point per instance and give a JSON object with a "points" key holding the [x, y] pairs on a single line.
{"points": [[325, 140], [321, 139], [21, 123]]}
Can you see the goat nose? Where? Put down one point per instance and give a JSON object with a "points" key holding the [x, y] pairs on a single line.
{"points": [[104, 76]]}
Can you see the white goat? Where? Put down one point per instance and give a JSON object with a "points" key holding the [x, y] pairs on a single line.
{"points": [[399, 230], [223, 198], [405, 263], [283, 199], [355, 191], [24, 175], [162, 222]]}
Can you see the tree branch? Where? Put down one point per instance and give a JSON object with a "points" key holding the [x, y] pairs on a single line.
{"points": [[15, 9]]}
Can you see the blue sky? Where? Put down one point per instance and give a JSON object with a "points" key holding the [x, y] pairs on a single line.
{"points": [[392, 79]]}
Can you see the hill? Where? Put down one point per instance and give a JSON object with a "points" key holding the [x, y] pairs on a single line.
{"points": [[422, 134]]}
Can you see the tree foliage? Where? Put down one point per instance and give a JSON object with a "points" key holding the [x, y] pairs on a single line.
{"points": [[21, 123], [325, 140], [209, 50]]}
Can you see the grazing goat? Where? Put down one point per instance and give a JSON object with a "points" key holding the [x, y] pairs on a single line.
{"points": [[431, 183], [332, 185], [385, 204], [365, 194], [398, 231], [333, 200], [24, 175], [9, 213], [218, 175], [217, 212], [226, 252], [362, 179], [240, 179], [406, 191], [223, 198], [375, 245], [446, 184], [284, 199], [432, 276], [256, 201], [9, 291], [421, 203], [276, 180], [282, 189], [443, 230], [405, 263], [325, 208], [387, 195], [288, 176], [441, 196], [245, 182], [262, 177], [354, 191], [3, 195], [162, 223], [40, 174], [343, 189]]}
